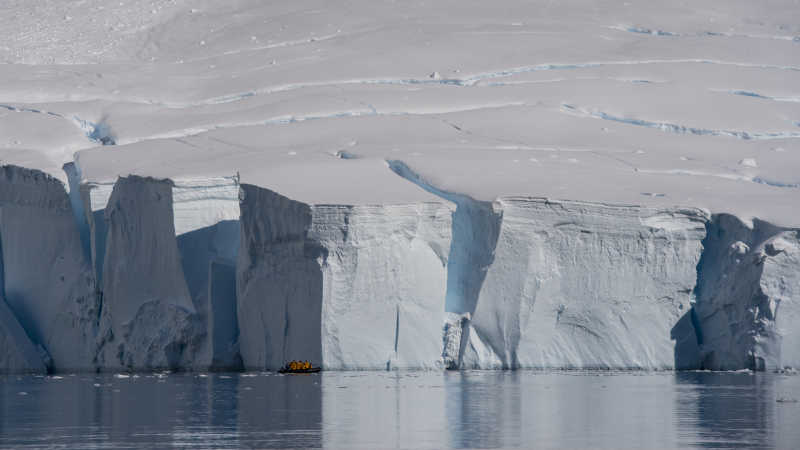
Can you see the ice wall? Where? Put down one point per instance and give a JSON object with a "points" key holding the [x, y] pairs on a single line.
{"points": [[780, 283], [156, 273], [48, 285], [148, 318], [585, 285], [355, 287], [17, 352], [167, 284], [748, 289]]}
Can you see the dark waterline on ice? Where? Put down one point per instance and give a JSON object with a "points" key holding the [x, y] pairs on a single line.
{"points": [[488, 409]]}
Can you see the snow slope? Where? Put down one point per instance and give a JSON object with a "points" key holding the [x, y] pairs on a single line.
{"points": [[524, 184]]}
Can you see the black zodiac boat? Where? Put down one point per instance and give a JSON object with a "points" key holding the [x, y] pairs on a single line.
{"points": [[309, 370], [299, 367]]}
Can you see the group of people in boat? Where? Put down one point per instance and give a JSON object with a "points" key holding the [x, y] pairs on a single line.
{"points": [[298, 365]]}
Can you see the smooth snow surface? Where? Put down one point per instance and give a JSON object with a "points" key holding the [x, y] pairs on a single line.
{"points": [[582, 183], [644, 104]]}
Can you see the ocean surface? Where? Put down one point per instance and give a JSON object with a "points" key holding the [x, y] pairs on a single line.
{"points": [[487, 409]]}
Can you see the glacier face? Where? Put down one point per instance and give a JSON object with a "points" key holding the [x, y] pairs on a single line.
{"points": [[47, 283], [746, 307], [148, 318], [780, 283], [336, 258], [579, 285], [355, 287], [181, 316], [107, 283], [205, 273]]}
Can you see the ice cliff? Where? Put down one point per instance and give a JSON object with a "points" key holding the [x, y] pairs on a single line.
{"points": [[200, 273], [47, 283], [355, 287], [133, 274], [168, 251], [584, 285], [747, 295]]}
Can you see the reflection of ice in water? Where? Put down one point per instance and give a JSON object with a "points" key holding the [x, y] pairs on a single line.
{"points": [[732, 409], [384, 410], [399, 409]]}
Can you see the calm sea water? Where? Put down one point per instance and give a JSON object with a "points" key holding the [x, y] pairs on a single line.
{"points": [[486, 409]]}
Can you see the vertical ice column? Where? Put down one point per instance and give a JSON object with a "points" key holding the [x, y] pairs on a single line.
{"points": [[148, 320], [747, 294], [279, 281], [205, 216], [48, 284]]}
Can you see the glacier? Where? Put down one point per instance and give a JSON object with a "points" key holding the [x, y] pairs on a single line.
{"points": [[47, 283], [212, 274], [355, 287], [535, 186]]}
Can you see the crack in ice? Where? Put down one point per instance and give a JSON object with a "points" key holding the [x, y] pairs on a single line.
{"points": [[658, 32], [680, 129], [727, 176], [96, 132], [746, 93]]}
